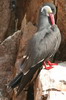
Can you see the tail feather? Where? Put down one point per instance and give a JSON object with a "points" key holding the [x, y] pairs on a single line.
{"points": [[27, 78], [22, 80], [15, 82]]}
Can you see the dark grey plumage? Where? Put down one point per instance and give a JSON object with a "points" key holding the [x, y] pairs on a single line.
{"points": [[42, 45]]}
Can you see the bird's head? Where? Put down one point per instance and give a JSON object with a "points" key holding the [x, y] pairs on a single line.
{"points": [[49, 10]]}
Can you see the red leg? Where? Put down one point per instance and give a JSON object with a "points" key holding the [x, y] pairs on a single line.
{"points": [[45, 65], [50, 65]]}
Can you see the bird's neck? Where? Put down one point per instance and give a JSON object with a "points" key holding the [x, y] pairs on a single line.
{"points": [[44, 22]]}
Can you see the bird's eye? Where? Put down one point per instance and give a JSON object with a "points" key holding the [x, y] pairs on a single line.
{"points": [[53, 10]]}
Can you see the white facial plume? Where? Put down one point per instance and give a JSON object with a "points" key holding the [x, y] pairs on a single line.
{"points": [[47, 9]]}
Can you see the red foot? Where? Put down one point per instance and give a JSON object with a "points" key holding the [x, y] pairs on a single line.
{"points": [[50, 65]]}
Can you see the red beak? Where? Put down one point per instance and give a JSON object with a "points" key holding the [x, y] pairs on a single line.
{"points": [[52, 19]]}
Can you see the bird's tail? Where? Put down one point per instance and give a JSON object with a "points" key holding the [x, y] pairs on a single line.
{"points": [[15, 82], [22, 80]]}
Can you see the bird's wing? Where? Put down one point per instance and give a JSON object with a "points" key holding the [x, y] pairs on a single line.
{"points": [[41, 46], [58, 38]]}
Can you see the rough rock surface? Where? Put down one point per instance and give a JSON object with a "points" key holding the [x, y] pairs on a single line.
{"points": [[8, 53], [6, 19], [61, 21], [51, 84]]}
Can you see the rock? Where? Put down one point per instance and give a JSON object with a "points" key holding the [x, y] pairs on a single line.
{"points": [[8, 53], [61, 21], [6, 19], [51, 84]]}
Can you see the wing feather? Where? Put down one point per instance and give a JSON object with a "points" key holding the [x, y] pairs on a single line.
{"points": [[42, 45]]}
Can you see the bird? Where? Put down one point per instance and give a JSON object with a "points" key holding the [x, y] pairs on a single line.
{"points": [[44, 44]]}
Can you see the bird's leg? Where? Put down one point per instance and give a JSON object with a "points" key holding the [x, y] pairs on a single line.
{"points": [[51, 64], [46, 63], [47, 66]]}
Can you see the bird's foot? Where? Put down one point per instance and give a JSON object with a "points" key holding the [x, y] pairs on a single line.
{"points": [[48, 65]]}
